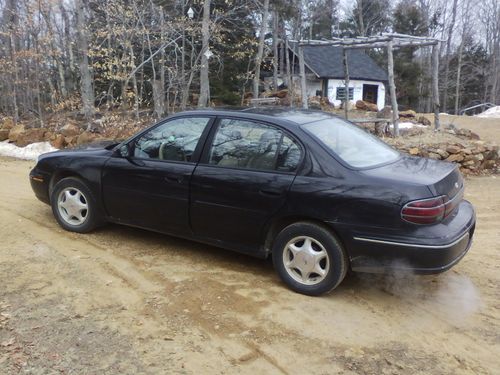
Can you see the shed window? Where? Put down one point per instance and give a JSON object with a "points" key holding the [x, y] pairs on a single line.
{"points": [[341, 93]]}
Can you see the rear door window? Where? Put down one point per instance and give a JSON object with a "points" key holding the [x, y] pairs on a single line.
{"points": [[252, 145]]}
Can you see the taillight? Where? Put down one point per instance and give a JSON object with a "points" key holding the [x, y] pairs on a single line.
{"points": [[425, 211], [430, 211]]}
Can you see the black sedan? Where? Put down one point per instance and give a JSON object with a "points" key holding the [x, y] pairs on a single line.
{"points": [[314, 191]]}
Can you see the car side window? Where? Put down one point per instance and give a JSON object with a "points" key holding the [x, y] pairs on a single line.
{"points": [[174, 140], [248, 144], [289, 155]]}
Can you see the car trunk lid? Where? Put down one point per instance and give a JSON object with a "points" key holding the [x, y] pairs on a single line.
{"points": [[440, 177]]}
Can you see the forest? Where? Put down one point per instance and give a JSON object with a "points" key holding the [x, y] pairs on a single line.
{"points": [[162, 56]]}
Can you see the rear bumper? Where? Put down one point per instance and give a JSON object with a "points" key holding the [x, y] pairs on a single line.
{"points": [[435, 249]]}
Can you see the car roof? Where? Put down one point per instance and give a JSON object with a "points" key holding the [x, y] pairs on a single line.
{"points": [[282, 115]]}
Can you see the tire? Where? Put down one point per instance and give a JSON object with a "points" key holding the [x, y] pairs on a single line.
{"points": [[309, 258], [74, 206]]}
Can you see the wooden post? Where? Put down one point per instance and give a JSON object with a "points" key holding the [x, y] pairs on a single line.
{"points": [[435, 84], [392, 89], [346, 80], [302, 68]]}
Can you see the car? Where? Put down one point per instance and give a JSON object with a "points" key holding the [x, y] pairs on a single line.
{"points": [[314, 192]]}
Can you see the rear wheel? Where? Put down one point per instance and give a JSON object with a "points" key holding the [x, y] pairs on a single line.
{"points": [[74, 206], [309, 258]]}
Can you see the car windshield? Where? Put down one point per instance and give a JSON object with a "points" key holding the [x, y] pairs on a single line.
{"points": [[352, 144]]}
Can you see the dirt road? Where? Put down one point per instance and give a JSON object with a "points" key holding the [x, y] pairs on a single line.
{"points": [[122, 300]]}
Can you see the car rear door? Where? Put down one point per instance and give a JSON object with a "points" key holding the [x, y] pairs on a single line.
{"points": [[243, 179], [150, 188]]}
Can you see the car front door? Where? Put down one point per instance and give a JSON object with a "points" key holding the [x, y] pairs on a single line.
{"points": [[242, 179], [150, 187]]}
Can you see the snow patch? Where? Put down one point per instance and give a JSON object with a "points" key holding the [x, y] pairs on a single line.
{"points": [[493, 112], [408, 125], [30, 152]]}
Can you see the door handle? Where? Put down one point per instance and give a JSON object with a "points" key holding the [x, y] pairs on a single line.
{"points": [[173, 178], [272, 192]]}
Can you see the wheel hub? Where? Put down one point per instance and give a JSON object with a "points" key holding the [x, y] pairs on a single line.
{"points": [[306, 260], [72, 206]]}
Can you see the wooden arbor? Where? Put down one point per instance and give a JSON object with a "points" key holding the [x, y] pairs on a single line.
{"points": [[390, 41]]}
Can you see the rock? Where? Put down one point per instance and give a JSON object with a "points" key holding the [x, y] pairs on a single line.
{"points": [[408, 114], [15, 132], [471, 157], [70, 130], [23, 137], [414, 151], [424, 121], [474, 136], [58, 141], [466, 151], [366, 106], [489, 164], [453, 149], [314, 102], [463, 132], [7, 123], [30, 136], [491, 155], [479, 157], [469, 163], [85, 137], [279, 94], [434, 156], [4, 134], [455, 158], [385, 112], [442, 153], [70, 140]]}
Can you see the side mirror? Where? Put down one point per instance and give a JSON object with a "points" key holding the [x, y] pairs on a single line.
{"points": [[124, 151]]}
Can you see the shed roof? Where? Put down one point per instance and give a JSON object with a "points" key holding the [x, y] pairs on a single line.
{"points": [[327, 62]]}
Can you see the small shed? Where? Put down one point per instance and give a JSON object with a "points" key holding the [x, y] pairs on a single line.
{"points": [[325, 74]]}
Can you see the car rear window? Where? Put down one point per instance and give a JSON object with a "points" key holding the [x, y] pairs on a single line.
{"points": [[351, 144]]}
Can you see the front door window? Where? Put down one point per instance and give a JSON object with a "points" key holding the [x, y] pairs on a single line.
{"points": [[174, 140]]}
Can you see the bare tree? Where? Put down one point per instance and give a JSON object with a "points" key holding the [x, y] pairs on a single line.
{"points": [[466, 16], [451, 27], [86, 90], [260, 50], [205, 35]]}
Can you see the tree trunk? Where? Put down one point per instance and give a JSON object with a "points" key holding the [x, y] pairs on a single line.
{"points": [[204, 98], [448, 51], [86, 89], [361, 23], [435, 84], [260, 50], [275, 50], [291, 94], [10, 13], [346, 78], [392, 89], [303, 87], [459, 73]]}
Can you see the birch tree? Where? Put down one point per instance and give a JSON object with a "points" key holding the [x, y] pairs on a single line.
{"points": [[204, 98]]}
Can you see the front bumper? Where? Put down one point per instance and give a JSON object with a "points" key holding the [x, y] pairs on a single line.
{"points": [[40, 184], [427, 250]]}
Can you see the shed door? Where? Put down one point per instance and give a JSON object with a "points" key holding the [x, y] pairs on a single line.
{"points": [[370, 93]]}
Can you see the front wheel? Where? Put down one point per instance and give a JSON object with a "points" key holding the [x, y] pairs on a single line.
{"points": [[74, 206], [309, 258]]}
